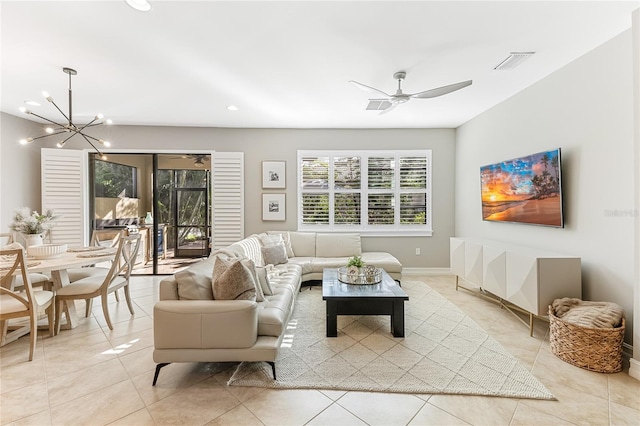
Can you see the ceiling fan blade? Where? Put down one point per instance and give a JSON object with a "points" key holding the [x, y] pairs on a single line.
{"points": [[369, 88], [378, 104], [393, 105], [441, 90]]}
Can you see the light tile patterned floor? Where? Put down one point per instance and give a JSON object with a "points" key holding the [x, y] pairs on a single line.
{"points": [[94, 376]]}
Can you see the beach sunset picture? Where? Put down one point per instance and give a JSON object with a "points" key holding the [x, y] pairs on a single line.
{"points": [[525, 189]]}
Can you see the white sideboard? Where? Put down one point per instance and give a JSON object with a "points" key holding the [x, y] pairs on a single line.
{"points": [[524, 277]]}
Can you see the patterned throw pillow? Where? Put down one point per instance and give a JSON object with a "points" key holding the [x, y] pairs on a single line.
{"points": [[233, 279]]}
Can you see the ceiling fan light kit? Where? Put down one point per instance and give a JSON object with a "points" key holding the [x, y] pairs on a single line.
{"points": [[69, 129], [385, 102]]}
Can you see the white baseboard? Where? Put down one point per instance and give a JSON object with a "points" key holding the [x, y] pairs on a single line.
{"points": [[425, 271], [634, 369]]}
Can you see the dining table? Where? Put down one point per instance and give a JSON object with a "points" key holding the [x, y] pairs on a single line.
{"points": [[57, 267]]}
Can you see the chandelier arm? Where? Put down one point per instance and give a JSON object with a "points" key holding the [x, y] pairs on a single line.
{"points": [[90, 143], [63, 114], [91, 137], [46, 119], [46, 136], [92, 125], [88, 124], [64, 141]]}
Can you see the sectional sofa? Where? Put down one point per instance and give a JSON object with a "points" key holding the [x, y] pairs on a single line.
{"points": [[190, 326]]}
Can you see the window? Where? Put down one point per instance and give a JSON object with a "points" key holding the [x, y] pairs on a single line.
{"points": [[374, 192], [114, 180]]}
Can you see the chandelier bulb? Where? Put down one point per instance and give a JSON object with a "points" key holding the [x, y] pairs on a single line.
{"points": [[60, 144], [105, 143], [25, 141], [109, 121], [100, 116], [103, 157], [49, 130]]}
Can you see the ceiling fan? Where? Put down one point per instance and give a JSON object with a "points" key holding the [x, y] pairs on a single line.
{"points": [[198, 159], [388, 102]]}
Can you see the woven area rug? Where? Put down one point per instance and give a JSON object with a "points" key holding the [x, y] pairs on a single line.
{"points": [[443, 352]]}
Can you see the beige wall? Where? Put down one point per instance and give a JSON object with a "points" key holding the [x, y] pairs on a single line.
{"points": [[586, 109], [282, 144], [19, 168]]}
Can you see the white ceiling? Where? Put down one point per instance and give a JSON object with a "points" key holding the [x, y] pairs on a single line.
{"points": [[287, 64]]}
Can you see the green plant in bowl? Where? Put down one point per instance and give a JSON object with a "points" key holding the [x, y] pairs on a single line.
{"points": [[355, 261]]}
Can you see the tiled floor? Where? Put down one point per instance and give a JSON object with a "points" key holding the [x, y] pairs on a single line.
{"points": [[94, 376]]}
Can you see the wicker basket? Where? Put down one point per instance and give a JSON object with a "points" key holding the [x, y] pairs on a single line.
{"points": [[594, 349]]}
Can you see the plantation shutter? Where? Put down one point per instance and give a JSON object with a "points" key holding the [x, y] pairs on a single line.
{"points": [[227, 185], [64, 190], [314, 198]]}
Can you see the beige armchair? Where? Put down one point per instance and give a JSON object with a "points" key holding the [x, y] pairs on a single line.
{"points": [[94, 286], [25, 303]]}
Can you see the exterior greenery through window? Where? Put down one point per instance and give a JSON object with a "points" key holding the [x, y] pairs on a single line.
{"points": [[385, 192], [115, 180]]}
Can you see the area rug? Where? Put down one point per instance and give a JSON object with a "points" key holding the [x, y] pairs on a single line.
{"points": [[443, 352]]}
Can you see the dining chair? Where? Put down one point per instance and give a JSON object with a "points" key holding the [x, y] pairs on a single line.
{"points": [[99, 238], [94, 286], [25, 303], [37, 280]]}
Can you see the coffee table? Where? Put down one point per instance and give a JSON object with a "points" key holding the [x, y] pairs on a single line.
{"points": [[383, 298]]}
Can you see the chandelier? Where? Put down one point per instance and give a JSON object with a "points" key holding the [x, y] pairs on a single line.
{"points": [[69, 129]]}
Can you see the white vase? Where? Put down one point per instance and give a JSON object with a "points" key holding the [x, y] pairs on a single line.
{"points": [[33, 240]]}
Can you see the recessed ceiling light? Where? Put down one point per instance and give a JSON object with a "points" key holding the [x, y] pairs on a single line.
{"points": [[32, 103], [232, 107], [141, 5]]}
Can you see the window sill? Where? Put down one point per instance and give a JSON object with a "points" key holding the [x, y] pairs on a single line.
{"points": [[371, 233]]}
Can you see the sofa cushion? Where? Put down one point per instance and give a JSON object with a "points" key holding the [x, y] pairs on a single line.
{"points": [[338, 245], [303, 262], [382, 260], [303, 244], [233, 279], [274, 254], [194, 283]]}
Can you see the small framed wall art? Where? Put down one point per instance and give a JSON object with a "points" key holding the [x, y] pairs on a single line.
{"points": [[273, 207], [274, 174]]}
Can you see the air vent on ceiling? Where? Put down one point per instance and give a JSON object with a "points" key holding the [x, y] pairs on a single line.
{"points": [[513, 60], [378, 105]]}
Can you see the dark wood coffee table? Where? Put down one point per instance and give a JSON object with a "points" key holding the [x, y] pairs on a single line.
{"points": [[383, 298]]}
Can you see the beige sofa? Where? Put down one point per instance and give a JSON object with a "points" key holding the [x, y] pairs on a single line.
{"points": [[189, 326]]}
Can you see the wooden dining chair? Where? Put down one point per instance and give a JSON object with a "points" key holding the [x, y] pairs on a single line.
{"points": [[99, 238], [25, 303], [37, 280], [94, 286]]}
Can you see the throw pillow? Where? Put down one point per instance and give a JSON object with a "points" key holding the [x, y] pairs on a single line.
{"points": [[256, 281], [285, 238], [194, 283], [232, 280], [275, 255], [263, 279]]}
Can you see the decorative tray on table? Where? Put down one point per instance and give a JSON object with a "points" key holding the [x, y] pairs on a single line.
{"points": [[360, 276]]}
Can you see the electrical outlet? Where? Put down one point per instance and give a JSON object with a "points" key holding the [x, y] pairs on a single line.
{"points": [[417, 251]]}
